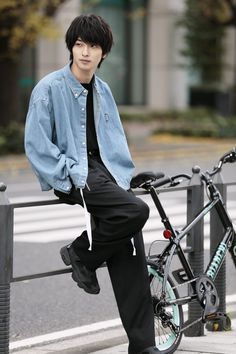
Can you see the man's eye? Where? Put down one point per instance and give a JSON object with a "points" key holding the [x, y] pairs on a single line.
{"points": [[93, 45]]}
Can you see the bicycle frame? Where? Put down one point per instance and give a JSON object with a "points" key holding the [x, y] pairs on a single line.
{"points": [[227, 243]]}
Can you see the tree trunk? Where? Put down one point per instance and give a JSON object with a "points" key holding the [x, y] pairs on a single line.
{"points": [[9, 92]]}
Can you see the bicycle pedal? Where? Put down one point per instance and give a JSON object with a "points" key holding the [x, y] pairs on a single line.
{"points": [[211, 316], [217, 322], [180, 275]]}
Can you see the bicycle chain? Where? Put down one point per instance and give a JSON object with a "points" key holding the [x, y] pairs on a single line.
{"points": [[197, 320], [200, 318], [190, 325], [185, 283]]}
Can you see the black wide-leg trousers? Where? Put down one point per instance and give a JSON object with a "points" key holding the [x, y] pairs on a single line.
{"points": [[118, 216]]}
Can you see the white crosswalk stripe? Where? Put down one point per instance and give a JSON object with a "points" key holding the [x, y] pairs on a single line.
{"points": [[63, 222]]}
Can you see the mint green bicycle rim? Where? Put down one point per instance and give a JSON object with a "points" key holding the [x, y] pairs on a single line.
{"points": [[171, 340]]}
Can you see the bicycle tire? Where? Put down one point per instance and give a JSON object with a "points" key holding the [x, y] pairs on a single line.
{"points": [[167, 341]]}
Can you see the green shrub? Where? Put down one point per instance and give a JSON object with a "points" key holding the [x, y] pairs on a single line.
{"points": [[12, 139], [193, 122], [200, 122]]}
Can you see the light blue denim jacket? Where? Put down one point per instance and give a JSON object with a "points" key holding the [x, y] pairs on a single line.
{"points": [[55, 132]]}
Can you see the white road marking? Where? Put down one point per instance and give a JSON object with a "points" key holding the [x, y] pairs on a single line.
{"points": [[67, 333], [63, 222]]}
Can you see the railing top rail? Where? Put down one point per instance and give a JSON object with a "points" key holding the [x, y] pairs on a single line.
{"points": [[36, 203], [51, 201]]}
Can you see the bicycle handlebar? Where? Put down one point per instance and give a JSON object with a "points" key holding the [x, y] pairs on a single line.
{"points": [[229, 157], [161, 182], [173, 180]]}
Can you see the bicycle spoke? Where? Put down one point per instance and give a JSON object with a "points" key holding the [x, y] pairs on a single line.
{"points": [[168, 318]]}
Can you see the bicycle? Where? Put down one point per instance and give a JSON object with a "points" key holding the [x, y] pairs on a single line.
{"points": [[167, 303]]}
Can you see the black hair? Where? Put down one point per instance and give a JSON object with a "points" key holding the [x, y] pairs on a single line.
{"points": [[90, 29]]}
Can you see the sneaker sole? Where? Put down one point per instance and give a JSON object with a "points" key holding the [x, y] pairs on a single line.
{"points": [[81, 285], [66, 259], [65, 255]]}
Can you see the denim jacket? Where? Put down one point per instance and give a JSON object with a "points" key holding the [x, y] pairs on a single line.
{"points": [[55, 132]]}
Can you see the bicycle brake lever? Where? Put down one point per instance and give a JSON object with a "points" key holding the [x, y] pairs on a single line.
{"points": [[231, 158]]}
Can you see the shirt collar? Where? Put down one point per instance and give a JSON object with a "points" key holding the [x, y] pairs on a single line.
{"points": [[74, 84]]}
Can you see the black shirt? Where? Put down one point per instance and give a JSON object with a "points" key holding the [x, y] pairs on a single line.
{"points": [[92, 143]]}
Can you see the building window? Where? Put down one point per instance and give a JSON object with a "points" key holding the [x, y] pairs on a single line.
{"points": [[124, 68]]}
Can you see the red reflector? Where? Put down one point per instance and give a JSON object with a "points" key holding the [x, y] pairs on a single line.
{"points": [[167, 233]]}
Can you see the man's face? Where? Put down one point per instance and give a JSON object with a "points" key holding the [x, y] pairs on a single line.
{"points": [[86, 56]]}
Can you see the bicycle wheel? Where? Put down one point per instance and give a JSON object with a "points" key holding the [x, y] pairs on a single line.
{"points": [[168, 319]]}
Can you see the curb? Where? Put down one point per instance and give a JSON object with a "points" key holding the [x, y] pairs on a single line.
{"points": [[115, 342], [158, 146], [86, 343], [14, 163]]}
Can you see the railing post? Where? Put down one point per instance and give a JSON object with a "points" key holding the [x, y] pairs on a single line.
{"points": [[6, 260], [216, 232], [195, 240]]}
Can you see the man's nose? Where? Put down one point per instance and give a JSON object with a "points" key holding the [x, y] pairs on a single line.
{"points": [[85, 51]]}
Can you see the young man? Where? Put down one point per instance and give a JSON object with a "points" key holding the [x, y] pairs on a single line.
{"points": [[76, 144]]}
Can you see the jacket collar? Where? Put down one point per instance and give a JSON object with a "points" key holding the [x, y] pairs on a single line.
{"points": [[75, 85]]}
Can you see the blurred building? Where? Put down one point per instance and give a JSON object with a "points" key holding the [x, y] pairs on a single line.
{"points": [[144, 67]]}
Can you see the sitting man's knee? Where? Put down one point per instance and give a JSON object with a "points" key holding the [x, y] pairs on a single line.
{"points": [[143, 212]]}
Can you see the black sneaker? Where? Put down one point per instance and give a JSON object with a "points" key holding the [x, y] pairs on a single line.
{"points": [[84, 277]]}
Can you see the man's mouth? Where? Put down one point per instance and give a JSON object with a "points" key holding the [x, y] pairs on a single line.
{"points": [[85, 61]]}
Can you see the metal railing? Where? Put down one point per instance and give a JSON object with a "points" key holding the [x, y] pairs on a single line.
{"points": [[195, 249]]}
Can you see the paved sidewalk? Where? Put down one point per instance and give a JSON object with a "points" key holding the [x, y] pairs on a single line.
{"points": [[106, 343], [147, 147], [218, 343]]}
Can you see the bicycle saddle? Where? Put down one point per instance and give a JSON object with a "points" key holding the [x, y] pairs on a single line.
{"points": [[145, 177]]}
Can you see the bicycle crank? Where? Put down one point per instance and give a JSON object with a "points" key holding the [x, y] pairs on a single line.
{"points": [[207, 295]]}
